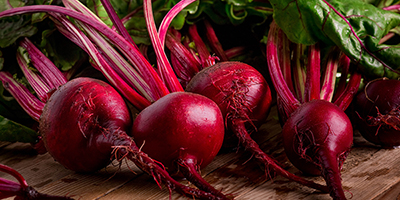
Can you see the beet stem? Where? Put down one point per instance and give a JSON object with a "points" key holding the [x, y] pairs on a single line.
{"points": [[328, 84], [346, 97], [205, 56], [312, 87], [165, 23], [299, 73], [31, 105], [214, 41], [290, 103], [344, 64], [117, 22], [164, 66]]}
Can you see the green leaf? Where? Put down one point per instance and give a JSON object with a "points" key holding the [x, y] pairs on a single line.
{"points": [[8, 4], [11, 131], [11, 118], [311, 21], [12, 28], [96, 7], [60, 50], [234, 11]]}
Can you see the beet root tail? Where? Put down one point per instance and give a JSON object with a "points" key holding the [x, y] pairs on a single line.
{"points": [[189, 168], [251, 146], [331, 173], [160, 175]]}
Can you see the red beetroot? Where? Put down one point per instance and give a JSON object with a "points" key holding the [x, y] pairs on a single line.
{"points": [[181, 129], [377, 112], [94, 132], [99, 114], [317, 138], [244, 98], [317, 134]]}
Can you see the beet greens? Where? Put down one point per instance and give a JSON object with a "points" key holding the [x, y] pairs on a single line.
{"points": [[362, 26]]}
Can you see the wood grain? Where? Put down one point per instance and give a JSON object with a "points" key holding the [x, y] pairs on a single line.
{"points": [[369, 173]]}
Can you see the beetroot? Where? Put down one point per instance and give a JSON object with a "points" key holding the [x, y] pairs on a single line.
{"points": [[317, 139], [83, 125], [182, 130], [377, 112], [244, 98], [317, 134], [99, 114]]}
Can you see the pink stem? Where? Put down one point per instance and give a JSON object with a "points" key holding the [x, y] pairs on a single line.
{"points": [[344, 65], [165, 69], [299, 73], [290, 103], [312, 87], [214, 42], [201, 48], [346, 97], [163, 28], [328, 85], [24, 97], [117, 22]]}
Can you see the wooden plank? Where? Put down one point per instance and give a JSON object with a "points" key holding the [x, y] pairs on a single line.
{"points": [[369, 173]]}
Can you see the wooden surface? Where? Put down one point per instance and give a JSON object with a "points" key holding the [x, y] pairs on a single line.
{"points": [[368, 173]]}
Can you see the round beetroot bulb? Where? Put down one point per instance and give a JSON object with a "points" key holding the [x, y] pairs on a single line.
{"points": [[178, 125], [377, 112]]}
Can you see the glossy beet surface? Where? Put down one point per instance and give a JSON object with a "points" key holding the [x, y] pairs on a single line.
{"points": [[377, 112], [244, 98], [77, 123], [317, 137], [180, 125], [240, 91], [316, 126]]}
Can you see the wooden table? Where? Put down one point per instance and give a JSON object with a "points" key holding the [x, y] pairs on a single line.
{"points": [[368, 173]]}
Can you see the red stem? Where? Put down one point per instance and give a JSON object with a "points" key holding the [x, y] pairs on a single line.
{"points": [[201, 48], [290, 103], [235, 51], [285, 60], [214, 42], [163, 29], [165, 68], [24, 97], [185, 57], [299, 73], [49, 71], [346, 97], [117, 22], [137, 100], [328, 85], [312, 87], [344, 65]]}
